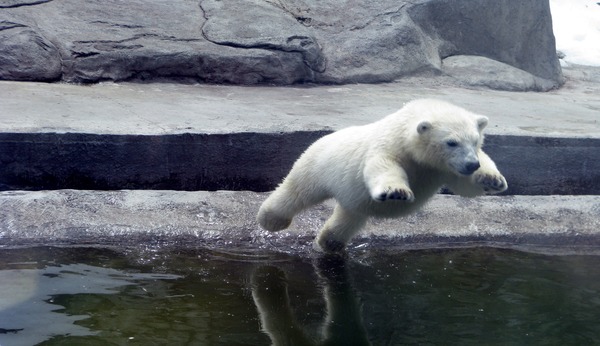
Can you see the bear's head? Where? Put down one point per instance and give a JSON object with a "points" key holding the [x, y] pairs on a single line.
{"points": [[448, 137]]}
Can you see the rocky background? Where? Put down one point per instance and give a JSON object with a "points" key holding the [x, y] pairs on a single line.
{"points": [[500, 44]]}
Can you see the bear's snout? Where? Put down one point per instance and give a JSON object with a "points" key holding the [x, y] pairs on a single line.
{"points": [[470, 168]]}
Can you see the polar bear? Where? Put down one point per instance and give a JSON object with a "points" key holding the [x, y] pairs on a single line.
{"points": [[388, 168]]}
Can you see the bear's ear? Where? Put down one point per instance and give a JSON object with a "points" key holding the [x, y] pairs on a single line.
{"points": [[423, 127], [482, 122]]}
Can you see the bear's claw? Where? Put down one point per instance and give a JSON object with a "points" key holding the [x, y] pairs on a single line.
{"points": [[492, 183], [396, 194]]}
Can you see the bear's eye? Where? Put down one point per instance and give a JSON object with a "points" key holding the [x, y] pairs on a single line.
{"points": [[452, 143]]}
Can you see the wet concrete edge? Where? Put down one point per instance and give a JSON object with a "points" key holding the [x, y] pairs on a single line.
{"points": [[226, 219]]}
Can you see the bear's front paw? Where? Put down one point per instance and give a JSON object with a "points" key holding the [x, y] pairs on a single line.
{"points": [[391, 193], [491, 183]]}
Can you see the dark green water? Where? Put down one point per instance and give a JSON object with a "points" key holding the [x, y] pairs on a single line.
{"points": [[477, 296]]}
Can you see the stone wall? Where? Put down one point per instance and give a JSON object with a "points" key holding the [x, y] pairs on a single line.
{"points": [[502, 44]]}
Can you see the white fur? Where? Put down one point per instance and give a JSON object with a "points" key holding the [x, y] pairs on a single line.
{"points": [[388, 168]]}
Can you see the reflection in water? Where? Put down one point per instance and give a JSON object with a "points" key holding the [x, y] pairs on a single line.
{"points": [[233, 296], [30, 303], [343, 321]]}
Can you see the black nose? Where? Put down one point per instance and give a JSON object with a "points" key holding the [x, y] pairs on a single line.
{"points": [[471, 167]]}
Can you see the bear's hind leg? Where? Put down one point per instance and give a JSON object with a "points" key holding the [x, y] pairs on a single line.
{"points": [[339, 229], [271, 220], [278, 210]]}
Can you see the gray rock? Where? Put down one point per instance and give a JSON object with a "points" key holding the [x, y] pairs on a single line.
{"points": [[243, 24], [271, 41], [19, 3], [478, 71], [26, 55], [518, 33]]}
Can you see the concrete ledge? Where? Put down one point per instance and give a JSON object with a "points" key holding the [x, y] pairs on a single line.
{"points": [[199, 137], [236, 161], [207, 137], [225, 219], [253, 161]]}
